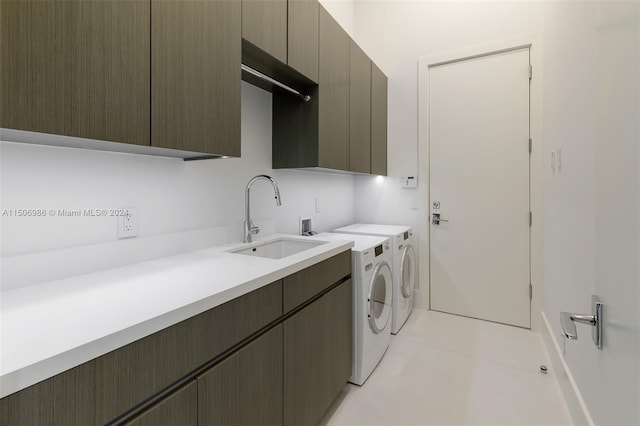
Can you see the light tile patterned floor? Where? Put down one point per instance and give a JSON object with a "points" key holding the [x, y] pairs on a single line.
{"points": [[444, 369]]}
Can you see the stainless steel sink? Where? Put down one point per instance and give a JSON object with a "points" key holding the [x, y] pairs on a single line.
{"points": [[277, 249]]}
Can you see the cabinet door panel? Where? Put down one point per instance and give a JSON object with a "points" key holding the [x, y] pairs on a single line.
{"points": [[359, 111], [127, 376], [378, 121], [264, 24], [31, 406], [317, 356], [66, 399], [209, 334], [333, 149], [246, 388], [303, 285], [74, 393], [303, 37], [195, 89], [179, 409], [76, 68]]}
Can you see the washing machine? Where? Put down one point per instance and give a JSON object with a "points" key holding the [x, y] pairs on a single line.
{"points": [[403, 266], [372, 282]]}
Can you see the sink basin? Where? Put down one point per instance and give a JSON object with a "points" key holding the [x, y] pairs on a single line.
{"points": [[277, 249]]}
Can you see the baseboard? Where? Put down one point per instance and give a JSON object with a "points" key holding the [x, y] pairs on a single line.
{"points": [[573, 398]]}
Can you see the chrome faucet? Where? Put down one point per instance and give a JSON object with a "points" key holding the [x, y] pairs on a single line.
{"points": [[249, 227]]}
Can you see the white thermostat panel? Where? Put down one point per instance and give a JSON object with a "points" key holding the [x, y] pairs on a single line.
{"points": [[409, 182]]}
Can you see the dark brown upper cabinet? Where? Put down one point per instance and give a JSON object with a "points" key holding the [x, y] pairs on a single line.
{"points": [[302, 52], [378, 121], [333, 96], [280, 40], [335, 129], [152, 74], [315, 134], [76, 68], [359, 111], [264, 24], [195, 89], [344, 125]]}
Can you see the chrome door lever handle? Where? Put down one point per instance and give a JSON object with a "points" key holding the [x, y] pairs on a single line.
{"points": [[585, 319], [568, 320], [435, 219], [568, 327]]}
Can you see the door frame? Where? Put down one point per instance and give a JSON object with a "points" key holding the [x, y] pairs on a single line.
{"points": [[536, 178]]}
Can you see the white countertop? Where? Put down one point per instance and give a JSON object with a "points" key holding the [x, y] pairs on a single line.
{"points": [[51, 327]]}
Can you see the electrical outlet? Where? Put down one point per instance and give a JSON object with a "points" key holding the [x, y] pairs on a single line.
{"points": [[128, 223]]}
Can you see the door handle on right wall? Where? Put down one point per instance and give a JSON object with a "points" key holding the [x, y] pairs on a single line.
{"points": [[568, 320]]}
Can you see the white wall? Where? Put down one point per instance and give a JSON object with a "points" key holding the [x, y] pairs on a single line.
{"points": [[395, 34], [591, 241], [591, 234], [170, 195], [343, 11]]}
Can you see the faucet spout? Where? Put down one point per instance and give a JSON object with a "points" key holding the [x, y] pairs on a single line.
{"points": [[249, 228]]}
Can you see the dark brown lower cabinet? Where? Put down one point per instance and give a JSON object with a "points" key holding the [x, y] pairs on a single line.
{"points": [[317, 356], [290, 374], [66, 399], [246, 388], [31, 406], [304, 285], [129, 375], [181, 409]]}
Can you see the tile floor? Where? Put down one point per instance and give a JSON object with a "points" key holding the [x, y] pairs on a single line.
{"points": [[444, 369]]}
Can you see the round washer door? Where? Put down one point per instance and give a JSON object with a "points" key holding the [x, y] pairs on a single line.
{"points": [[380, 294], [408, 271]]}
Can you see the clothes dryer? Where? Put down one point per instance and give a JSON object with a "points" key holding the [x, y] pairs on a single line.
{"points": [[372, 296], [403, 265]]}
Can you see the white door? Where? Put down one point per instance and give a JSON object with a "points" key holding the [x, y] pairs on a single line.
{"points": [[479, 183], [615, 96]]}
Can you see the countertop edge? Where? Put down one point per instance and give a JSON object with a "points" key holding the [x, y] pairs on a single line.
{"points": [[22, 378]]}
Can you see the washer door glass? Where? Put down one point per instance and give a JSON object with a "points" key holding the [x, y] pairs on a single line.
{"points": [[380, 294], [408, 271]]}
